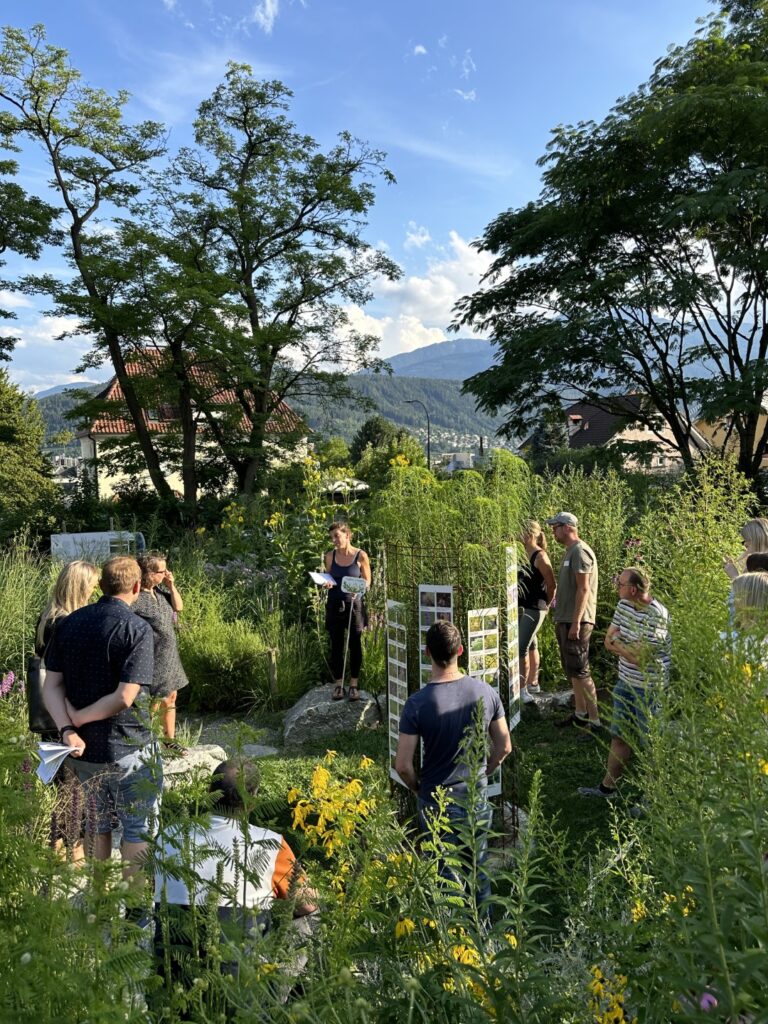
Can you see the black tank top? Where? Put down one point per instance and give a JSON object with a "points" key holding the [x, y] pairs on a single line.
{"points": [[530, 584]]}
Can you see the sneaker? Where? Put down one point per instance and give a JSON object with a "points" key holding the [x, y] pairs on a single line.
{"points": [[527, 697], [588, 731], [172, 748], [534, 688], [596, 791], [571, 719]]}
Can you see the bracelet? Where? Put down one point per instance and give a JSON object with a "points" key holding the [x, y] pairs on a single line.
{"points": [[65, 729]]}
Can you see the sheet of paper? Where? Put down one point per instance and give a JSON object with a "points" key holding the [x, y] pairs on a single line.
{"points": [[52, 757], [320, 578]]}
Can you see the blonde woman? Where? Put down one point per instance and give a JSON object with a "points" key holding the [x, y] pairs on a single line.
{"points": [[159, 603], [536, 592], [73, 589], [750, 600], [754, 534]]}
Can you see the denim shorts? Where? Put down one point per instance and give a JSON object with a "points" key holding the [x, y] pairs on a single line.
{"points": [[633, 708], [129, 790]]}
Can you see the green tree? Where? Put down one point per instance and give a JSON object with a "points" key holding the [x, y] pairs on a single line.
{"points": [[376, 432], [94, 159], [26, 223], [643, 265], [333, 453], [396, 451], [274, 241], [28, 496]]}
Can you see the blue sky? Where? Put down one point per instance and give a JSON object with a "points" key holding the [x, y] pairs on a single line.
{"points": [[462, 97]]}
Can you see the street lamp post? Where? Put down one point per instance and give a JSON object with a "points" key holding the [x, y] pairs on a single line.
{"points": [[417, 401]]}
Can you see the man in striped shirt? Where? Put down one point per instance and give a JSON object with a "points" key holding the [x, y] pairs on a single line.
{"points": [[639, 635]]}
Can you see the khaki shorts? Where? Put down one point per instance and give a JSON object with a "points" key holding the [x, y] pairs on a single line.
{"points": [[574, 654]]}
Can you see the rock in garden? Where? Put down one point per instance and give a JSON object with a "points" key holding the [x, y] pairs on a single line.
{"points": [[197, 759], [316, 717], [548, 702]]}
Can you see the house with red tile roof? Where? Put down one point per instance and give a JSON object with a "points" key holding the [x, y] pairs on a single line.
{"points": [[113, 423]]}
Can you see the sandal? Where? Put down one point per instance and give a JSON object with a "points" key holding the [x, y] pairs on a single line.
{"points": [[354, 694], [338, 693]]}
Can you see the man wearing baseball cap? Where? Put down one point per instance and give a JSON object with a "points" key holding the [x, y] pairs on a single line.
{"points": [[574, 618]]}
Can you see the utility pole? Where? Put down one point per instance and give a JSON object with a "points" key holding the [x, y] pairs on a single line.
{"points": [[417, 401]]}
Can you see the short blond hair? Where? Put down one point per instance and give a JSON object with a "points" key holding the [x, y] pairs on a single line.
{"points": [[750, 596], [119, 575], [755, 535]]}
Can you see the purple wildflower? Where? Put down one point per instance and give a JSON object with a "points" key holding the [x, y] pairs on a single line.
{"points": [[26, 768], [6, 685], [708, 1002]]}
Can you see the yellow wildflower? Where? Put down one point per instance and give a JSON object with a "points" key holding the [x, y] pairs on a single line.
{"points": [[639, 911], [465, 954], [404, 927], [428, 922], [511, 939], [200, 531], [762, 764], [330, 756], [366, 762], [320, 779], [293, 795]]}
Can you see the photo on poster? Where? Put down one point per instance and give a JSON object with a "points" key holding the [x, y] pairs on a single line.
{"points": [[427, 599], [444, 598], [427, 618]]}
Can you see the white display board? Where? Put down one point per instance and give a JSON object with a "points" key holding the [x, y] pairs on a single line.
{"points": [[435, 604], [513, 659], [483, 655], [397, 675]]}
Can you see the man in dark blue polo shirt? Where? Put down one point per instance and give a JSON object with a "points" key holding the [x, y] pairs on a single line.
{"points": [[97, 690], [441, 714]]}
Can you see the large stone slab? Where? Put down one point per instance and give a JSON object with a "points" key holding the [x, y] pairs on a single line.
{"points": [[202, 758], [551, 702], [316, 718]]}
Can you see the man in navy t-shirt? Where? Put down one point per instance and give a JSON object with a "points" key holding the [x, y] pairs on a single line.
{"points": [[99, 671], [442, 714]]}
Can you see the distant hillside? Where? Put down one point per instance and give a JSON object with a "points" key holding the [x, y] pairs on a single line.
{"points": [[456, 359], [55, 402], [455, 424]]}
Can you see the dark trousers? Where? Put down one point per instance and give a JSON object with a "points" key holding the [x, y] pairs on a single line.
{"points": [[336, 630]]}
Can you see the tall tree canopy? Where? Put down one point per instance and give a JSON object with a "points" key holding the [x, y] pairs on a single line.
{"points": [[643, 265], [28, 496], [235, 265]]}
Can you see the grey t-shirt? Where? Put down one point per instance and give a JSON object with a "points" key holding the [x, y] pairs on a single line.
{"points": [[579, 558], [440, 714]]}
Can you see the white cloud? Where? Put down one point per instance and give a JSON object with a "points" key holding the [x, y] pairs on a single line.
{"points": [[442, 42], [498, 167], [169, 5], [13, 300], [417, 236], [265, 13], [416, 310], [396, 334], [419, 50], [470, 96], [185, 79], [467, 65]]}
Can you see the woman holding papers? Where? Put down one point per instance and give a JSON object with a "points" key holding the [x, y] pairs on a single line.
{"points": [[73, 589], [345, 612]]}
